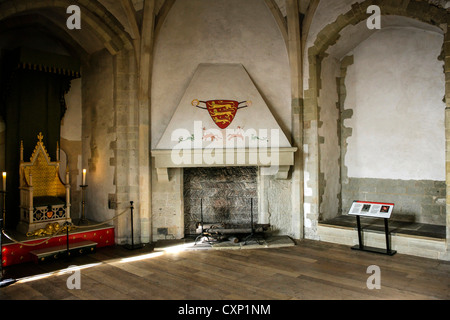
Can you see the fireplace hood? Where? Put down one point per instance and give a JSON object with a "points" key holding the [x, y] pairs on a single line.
{"points": [[222, 120]]}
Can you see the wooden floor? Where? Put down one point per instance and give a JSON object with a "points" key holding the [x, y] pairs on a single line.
{"points": [[309, 270]]}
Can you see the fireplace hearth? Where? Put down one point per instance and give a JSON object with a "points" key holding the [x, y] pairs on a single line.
{"points": [[220, 203], [210, 232]]}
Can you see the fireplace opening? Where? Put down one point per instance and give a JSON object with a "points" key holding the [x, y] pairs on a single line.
{"points": [[224, 198]]}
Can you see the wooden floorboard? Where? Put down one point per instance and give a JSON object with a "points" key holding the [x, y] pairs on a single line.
{"points": [[309, 270]]}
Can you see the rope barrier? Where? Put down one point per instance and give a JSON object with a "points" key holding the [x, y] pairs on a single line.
{"points": [[31, 244], [104, 222], [61, 230]]}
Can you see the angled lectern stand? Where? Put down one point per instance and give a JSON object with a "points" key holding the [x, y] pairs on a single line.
{"points": [[374, 210]]}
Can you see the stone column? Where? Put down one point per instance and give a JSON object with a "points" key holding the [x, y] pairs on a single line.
{"points": [[145, 67], [295, 57], [132, 147], [126, 145]]}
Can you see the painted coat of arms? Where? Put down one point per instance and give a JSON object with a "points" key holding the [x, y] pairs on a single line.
{"points": [[222, 112]]}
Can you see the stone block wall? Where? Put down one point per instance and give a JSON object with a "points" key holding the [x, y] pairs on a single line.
{"points": [[420, 201], [167, 206]]}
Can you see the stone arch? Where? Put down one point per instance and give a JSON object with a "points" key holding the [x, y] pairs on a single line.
{"points": [[279, 18], [419, 10], [327, 37], [50, 28], [104, 25], [162, 15]]}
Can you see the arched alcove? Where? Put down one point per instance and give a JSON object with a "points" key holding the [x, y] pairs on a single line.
{"points": [[33, 96], [101, 45], [382, 129], [330, 126]]}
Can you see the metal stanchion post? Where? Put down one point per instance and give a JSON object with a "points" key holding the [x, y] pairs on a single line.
{"points": [[132, 246], [66, 224], [83, 219], [3, 282]]}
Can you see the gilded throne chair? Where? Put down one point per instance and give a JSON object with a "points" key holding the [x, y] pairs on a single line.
{"points": [[44, 198]]}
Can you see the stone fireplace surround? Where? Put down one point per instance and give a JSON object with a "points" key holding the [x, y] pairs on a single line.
{"points": [[250, 159]]}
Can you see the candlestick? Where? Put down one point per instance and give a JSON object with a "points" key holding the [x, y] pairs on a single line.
{"points": [[2, 225], [4, 181], [84, 177]]}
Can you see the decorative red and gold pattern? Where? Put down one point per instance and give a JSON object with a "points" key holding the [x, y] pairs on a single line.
{"points": [[14, 253]]}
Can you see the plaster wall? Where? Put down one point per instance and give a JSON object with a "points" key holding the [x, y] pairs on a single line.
{"points": [[71, 145], [398, 120], [396, 151], [98, 121], [222, 31], [71, 123]]}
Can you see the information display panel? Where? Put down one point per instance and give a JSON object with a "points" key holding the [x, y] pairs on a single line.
{"points": [[371, 209], [381, 210]]}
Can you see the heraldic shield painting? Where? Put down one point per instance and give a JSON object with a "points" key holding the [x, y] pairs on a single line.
{"points": [[222, 112]]}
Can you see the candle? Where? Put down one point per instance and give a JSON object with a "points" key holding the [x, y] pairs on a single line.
{"points": [[4, 181], [84, 177]]}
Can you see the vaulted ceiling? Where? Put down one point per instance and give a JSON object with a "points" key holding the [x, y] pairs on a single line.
{"points": [[110, 24], [104, 19]]}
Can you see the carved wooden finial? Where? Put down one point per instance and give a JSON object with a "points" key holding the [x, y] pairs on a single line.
{"points": [[40, 137]]}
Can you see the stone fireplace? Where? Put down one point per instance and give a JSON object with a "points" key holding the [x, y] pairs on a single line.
{"points": [[223, 154]]}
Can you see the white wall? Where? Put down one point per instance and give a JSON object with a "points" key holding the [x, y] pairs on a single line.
{"points": [[220, 31], [395, 88], [71, 123]]}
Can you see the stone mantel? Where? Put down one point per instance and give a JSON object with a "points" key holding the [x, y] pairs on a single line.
{"points": [[273, 162]]}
